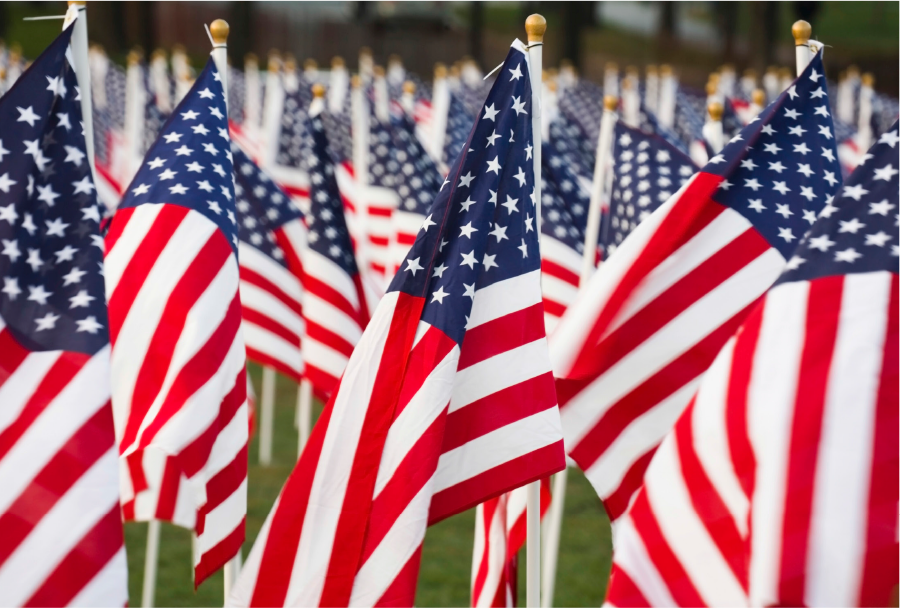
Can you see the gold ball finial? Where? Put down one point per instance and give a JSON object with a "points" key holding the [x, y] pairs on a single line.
{"points": [[612, 66], [711, 88], [337, 62], [610, 102], [651, 70], [409, 87], [378, 71], [251, 58], [535, 26], [801, 30], [219, 30], [365, 51], [440, 70], [318, 90], [759, 97], [77, 2], [310, 64], [290, 63], [355, 81], [134, 57], [665, 70], [158, 54], [715, 110], [868, 80]]}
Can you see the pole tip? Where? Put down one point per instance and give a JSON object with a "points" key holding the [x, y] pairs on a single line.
{"points": [[310, 64], [759, 97], [318, 90], [77, 2], [868, 80], [535, 26], [365, 51], [711, 87], [355, 81], [801, 30], [251, 58], [337, 62], [409, 87], [610, 102], [440, 70], [715, 110], [219, 30]]}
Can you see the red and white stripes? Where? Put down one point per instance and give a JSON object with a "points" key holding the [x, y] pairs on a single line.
{"points": [[560, 267], [178, 377], [779, 484], [59, 508]]}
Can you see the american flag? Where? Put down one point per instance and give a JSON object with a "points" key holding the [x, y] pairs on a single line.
{"points": [[287, 169], [459, 125], [109, 124], [334, 304], [60, 528], [630, 353], [576, 149], [449, 390], [178, 356], [582, 104], [381, 200], [271, 240], [778, 485], [647, 171]]}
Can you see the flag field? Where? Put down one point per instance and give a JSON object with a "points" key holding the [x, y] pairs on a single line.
{"points": [[584, 556]]}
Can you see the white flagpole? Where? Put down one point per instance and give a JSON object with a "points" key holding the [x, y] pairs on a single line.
{"points": [[151, 561], [304, 414], [535, 26], [802, 31], [440, 108], [77, 11], [588, 265], [712, 130], [266, 415], [359, 111]]}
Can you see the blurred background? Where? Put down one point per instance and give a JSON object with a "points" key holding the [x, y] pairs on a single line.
{"points": [[695, 37]]}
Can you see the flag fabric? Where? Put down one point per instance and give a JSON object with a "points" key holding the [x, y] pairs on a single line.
{"points": [[449, 390], [381, 200], [574, 146], [60, 530], [779, 484], [630, 352], [583, 104], [334, 304], [647, 170], [178, 356], [271, 240]]}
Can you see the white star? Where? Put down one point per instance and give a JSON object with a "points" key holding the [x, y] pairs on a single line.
{"points": [[439, 271], [528, 149], [74, 276], [89, 325], [490, 139], [825, 131], [792, 91], [798, 131], [3, 151], [510, 204], [413, 266], [439, 295], [781, 187], [156, 163], [225, 192], [822, 243], [523, 248], [490, 113], [46, 194], [794, 263], [855, 192], [97, 241], [183, 151], [807, 192], [493, 165], [11, 249], [879, 239], [768, 130], [469, 292], [38, 294], [516, 74], [886, 172], [809, 215], [467, 230], [881, 208], [200, 129], [890, 138], [520, 176], [827, 154], [5, 182], [783, 210], [142, 189], [786, 234], [528, 223], [718, 158], [793, 114], [194, 167], [752, 183], [748, 164], [493, 197], [11, 287], [469, 260], [73, 155], [519, 106], [223, 133], [81, 299], [63, 121], [206, 94], [723, 185], [428, 223], [56, 85], [27, 115], [9, 214], [84, 185], [190, 115], [210, 148], [756, 205], [489, 262], [830, 178], [801, 148], [852, 226], [773, 148], [820, 92], [512, 136], [205, 186], [65, 254], [467, 203], [822, 111], [465, 180], [499, 232], [48, 321], [28, 224], [172, 137], [218, 170], [847, 255], [56, 227], [216, 112], [178, 189]]}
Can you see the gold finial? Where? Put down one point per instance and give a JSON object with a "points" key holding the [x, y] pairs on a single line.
{"points": [[801, 30], [715, 110], [378, 71], [665, 70], [290, 63], [454, 71], [711, 87], [868, 80], [409, 87], [158, 54], [77, 2], [612, 66], [251, 58], [318, 90], [552, 86], [365, 51], [394, 59], [759, 97], [651, 70], [134, 57], [2, 73], [714, 78], [337, 62], [219, 30], [440, 70], [610, 102], [310, 64], [535, 26], [355, 81], [274, 63]]}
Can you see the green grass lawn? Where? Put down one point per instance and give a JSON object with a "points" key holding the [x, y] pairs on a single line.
{"points": [[585, 547]]}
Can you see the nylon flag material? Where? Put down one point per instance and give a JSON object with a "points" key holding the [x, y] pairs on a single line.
{"points": [[60, 530], [779, 484], [630, 352], [334, 304], [178, 356], [271, 240], [449, 391]]}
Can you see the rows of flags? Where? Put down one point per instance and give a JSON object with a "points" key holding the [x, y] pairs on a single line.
{"points": [[726, 376]]}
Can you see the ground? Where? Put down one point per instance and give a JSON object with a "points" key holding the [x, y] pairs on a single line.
{"points": [[585, 548]]}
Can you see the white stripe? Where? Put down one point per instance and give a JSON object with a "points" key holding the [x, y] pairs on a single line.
{"points": [[711, 438], [497, 545], [497, 447], [631, 557], [263, 302], [59, 531], [21, 385], [109, 587], [273, 345], [253, 259], [770, 408], [222, 520], [118, 258], [840, 508], [672, 340], [323, 313], [321, 356], [246, 584], [319, 267], [558, 290], [335, 462], [295, 233], [505, 297], [499, 372], [550, 323], [670, 502], [560, 253]]}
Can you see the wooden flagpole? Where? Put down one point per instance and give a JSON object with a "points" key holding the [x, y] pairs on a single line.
{"points": [[535, 26]]}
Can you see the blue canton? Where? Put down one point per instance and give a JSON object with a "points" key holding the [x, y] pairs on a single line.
{"points": [[293, 121], [262, 207], [328, 234], [459, 124], [564, 202], [647, 171], [51, 261], [190, 165], [573, 145], [418, 177], [782, 167], [856, 230], [582, 103], [481, 227]]}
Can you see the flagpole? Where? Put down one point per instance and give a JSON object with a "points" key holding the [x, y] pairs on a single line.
{"points": [[535, 26], [78, 11], [304, 414], [712, 130], [266, 415], [802, 31]]}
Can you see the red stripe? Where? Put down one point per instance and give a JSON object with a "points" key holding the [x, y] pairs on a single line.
{"points": [[501, 335], [617, 502], [254, 278], [213, 559], [499, 409], [265, 359], [823, 305], [317, 332], [63, 370], [262, 320], [68, 465], [329, 294], [623, 591], [742, 455], [432, 348], [116, 226], [403, 238], [291, 255], [11, 355], [323, 382], [488, 508], [402, 590], [880, 565], [512, 474], [380, 211], [355, 514], [83, 562], [552, 308], [517, 533], [559, 271], [379, 241], [141, 263], [667, 564]]}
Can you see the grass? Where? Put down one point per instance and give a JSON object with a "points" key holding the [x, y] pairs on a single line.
{"points": [[585, 547]]}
